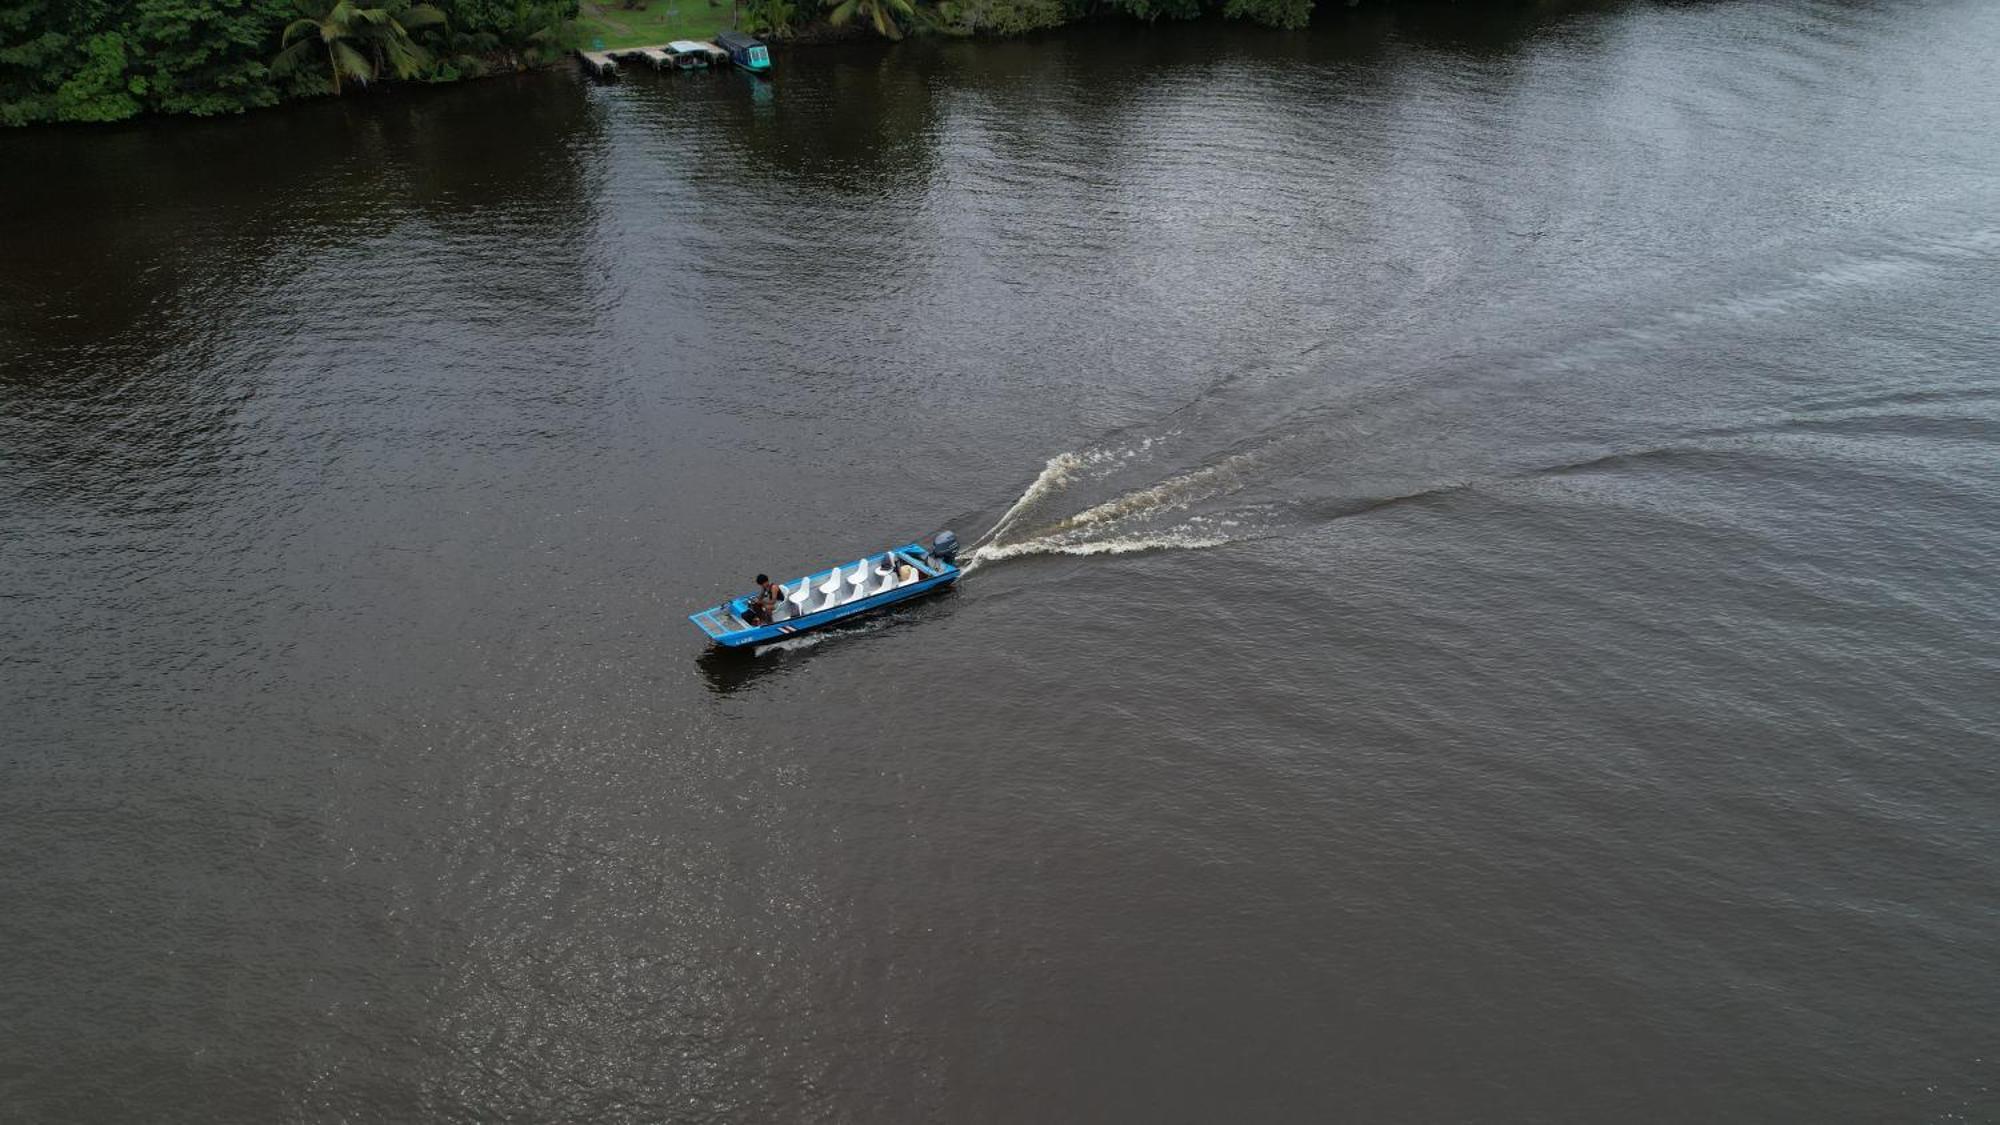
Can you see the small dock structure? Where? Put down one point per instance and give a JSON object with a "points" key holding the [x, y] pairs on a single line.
{"points": [[659, 58], [694, 54], [681, 54]]}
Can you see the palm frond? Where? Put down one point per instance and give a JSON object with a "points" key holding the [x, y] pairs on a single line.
{"points": [[352, 63], [421, 15], [842, 12], [405, 57], [292, 56], [297, 28]]}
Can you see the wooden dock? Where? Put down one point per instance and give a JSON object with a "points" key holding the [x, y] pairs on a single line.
{"points": [[604, 64], [657, 56]]}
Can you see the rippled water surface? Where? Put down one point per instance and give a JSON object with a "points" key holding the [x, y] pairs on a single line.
{"points": [[1486, 605]]}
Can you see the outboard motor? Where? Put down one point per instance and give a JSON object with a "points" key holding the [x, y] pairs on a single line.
{"points": [[944, 547]]}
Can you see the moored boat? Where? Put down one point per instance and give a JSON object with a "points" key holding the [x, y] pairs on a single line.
{"points": [[693, 54], [836, 594], [746, 51]]}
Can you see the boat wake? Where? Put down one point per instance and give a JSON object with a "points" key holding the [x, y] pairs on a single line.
{"points": [[1269, 451], [1145, 517], [1189, 537]]}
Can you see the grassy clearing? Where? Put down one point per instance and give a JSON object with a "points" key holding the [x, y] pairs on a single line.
{"points": [[605, 25]]}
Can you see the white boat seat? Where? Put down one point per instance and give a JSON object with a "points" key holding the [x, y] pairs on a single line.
{"points": [[857, 581], [796, 597], [885, 579], [831, 588]]}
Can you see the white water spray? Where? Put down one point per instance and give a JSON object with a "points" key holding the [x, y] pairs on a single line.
{"points": [[1064, 470], [1107, 528], [1184, 538]]}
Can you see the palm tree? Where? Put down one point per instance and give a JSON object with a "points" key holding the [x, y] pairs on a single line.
{"points": [[358, 41], [888, 16], [772, 17], [534, 31]]}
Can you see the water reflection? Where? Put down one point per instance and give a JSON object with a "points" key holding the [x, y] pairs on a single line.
{"points": [[730, 670], [135, 256], [853, 120]]}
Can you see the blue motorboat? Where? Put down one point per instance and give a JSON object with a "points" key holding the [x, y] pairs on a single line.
{"points": [[745, 51], [845, 591]]}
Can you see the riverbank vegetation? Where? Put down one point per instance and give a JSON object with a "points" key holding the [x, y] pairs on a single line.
{"points": [[108, 60]]}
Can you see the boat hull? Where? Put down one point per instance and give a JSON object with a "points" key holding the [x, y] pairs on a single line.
{"points": [[725, 631]]}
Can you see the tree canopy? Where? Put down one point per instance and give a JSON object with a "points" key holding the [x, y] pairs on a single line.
{"points": [[107, 60]]}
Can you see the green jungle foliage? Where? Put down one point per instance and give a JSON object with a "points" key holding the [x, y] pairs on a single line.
{"points": [[778, 19], [889, 18], [1003, 17], [107, 60], [360, 43]]}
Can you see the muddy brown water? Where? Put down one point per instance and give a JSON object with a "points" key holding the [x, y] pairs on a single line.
{"points": [[1485, 606]]}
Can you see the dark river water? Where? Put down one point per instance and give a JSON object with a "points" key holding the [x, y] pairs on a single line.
{"points": [[1486, 606]]}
